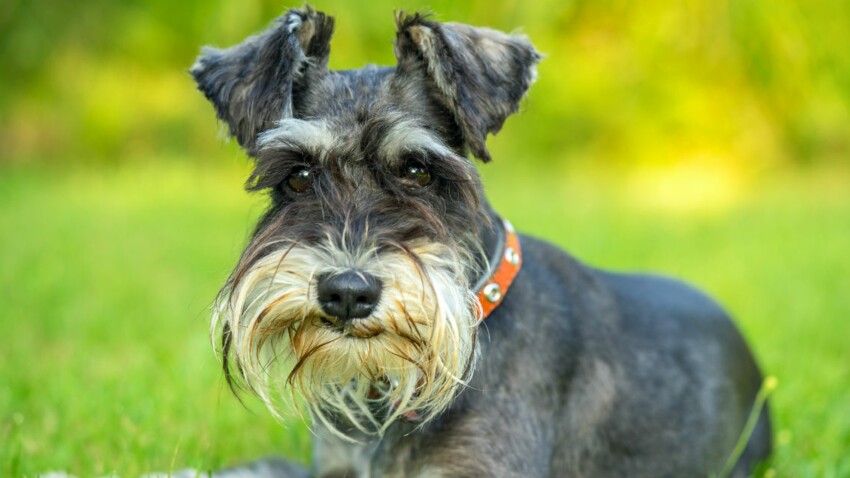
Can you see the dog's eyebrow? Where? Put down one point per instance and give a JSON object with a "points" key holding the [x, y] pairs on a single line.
{"points": [[407, 136], [291, 143], [309, 137]]}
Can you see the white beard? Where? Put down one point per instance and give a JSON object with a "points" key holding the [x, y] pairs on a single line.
{"points": [[410, 356]]}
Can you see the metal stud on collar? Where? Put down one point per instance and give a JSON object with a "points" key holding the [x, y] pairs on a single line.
{"points": [[511, 256], [492, 292]]}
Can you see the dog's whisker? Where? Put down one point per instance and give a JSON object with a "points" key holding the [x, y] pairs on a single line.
{"points": [[286, 306]]}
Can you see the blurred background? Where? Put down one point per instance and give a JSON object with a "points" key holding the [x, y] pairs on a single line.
{"points": [[709, 139]]}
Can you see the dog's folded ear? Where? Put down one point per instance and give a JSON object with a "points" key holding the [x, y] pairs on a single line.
{"points": [[480, 74], [253, 84]]}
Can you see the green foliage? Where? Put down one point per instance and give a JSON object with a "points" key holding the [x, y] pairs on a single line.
{"points": [[749, 84]]}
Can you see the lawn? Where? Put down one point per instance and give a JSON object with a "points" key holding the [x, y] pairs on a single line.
{"points": [[107, 277]]}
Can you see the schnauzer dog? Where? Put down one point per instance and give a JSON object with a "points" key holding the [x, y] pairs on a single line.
{"points": [[423, 336]]}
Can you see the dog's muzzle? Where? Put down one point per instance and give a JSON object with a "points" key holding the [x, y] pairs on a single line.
{"points": [[365, 337]]}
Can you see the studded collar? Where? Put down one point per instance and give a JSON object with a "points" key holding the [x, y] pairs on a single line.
{"points": [[504, 267]]}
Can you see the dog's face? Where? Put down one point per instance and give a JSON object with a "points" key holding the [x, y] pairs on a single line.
{"points": [[355, 288]]}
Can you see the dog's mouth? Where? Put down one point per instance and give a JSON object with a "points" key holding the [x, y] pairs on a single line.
{"points": [[379, 390], [356, 328]]}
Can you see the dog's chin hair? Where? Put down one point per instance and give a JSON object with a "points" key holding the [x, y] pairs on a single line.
{"points": [[424, 350]]}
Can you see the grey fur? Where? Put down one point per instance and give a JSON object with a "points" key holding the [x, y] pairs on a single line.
{"points": [[581, 372], [480, 74], [251, 84]]}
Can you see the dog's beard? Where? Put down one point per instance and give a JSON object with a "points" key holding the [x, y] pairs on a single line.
{"points": [[408, 358]]}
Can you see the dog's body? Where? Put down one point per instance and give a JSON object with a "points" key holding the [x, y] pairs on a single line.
{"points": [[358, 288], [620, 375]]}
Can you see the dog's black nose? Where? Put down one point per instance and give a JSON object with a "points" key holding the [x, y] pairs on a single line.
{"points": [[349, 295]]}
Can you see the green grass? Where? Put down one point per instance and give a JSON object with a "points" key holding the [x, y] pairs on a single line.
{"points": [[107, 277]]}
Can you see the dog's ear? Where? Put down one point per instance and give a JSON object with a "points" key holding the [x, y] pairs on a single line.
{"points": [[252, 84], [480, 74]]}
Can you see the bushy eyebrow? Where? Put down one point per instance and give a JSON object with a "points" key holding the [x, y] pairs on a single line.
{"points": [[408, 137], [292, 143], [311, 137], [406, 140], [391, 137]]}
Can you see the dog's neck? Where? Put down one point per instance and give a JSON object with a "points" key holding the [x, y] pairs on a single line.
{"points": [[491, 236]]}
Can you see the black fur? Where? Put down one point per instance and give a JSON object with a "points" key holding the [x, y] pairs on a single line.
{"points": [[581, 372]]}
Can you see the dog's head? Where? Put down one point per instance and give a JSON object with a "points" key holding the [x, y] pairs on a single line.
{"points": [[355, 288]]}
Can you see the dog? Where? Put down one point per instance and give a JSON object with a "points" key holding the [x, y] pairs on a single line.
{"points": [[425, 336]]}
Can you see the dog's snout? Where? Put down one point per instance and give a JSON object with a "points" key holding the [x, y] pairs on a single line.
{"points": [[349, 295]]}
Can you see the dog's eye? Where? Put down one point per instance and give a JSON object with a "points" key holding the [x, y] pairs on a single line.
{"points": [[300, 180], [416, 174]]}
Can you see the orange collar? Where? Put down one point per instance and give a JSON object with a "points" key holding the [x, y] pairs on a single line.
{"points": [[493, 289]]}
